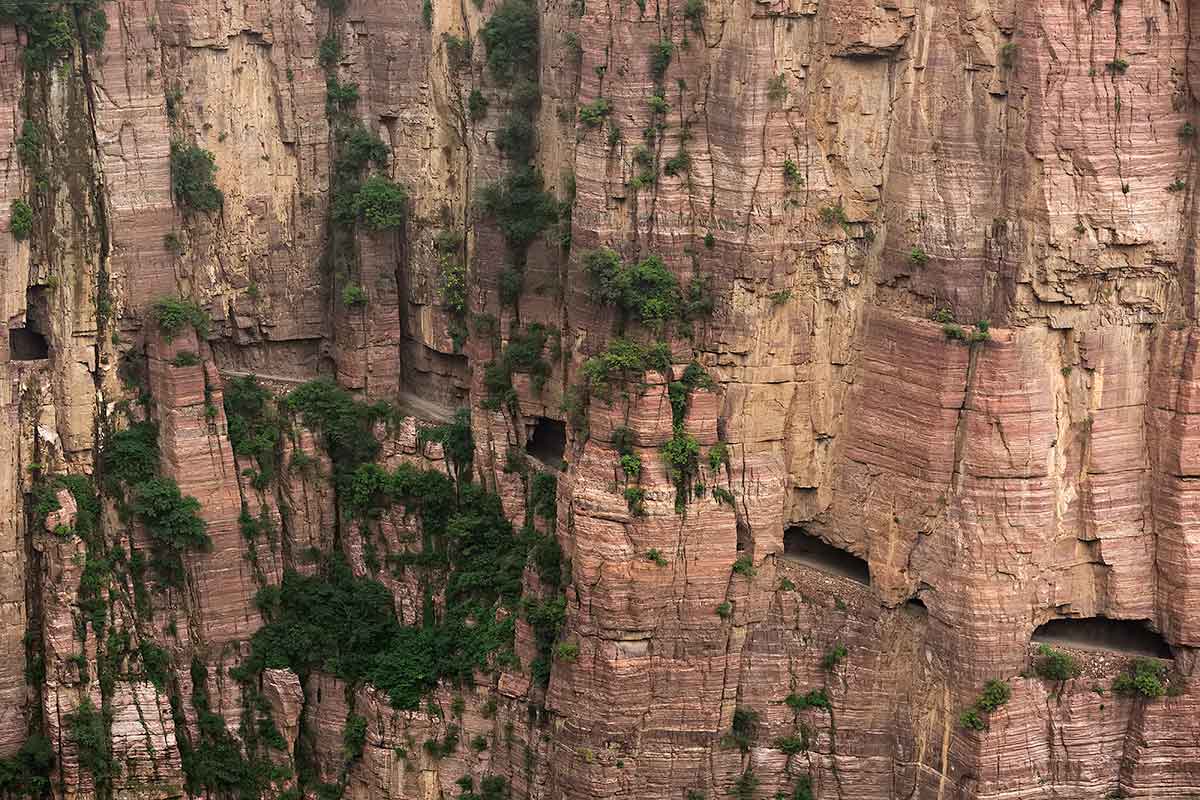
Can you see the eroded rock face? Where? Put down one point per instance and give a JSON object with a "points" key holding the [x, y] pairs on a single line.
{"points": [[858, 186]]}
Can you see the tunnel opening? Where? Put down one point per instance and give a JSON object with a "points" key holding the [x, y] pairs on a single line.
{"points": [[548, 442], [27, 345], [803, 547], [1101, 633]]}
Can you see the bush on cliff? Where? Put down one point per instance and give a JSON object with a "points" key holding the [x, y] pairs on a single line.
{"points": [[1146, 677], [173, 314], [511, 38], [192, 178], [1055, 665], [254, 429]]}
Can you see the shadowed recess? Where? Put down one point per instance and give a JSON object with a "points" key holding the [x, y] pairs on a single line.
{"points": [[802, 547], [27, 345], [1100, 633], [548, 442]]}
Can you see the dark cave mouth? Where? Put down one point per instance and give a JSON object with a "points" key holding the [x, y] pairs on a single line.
{"points": [[804, 548], [27, 345], [548, 442], [1132, 637]]}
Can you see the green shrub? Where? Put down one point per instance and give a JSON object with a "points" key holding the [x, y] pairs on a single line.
{"points": [[254, 426], [192, 172], [519, 205], [593, 114], [678, 163], [745, 786], [27, 773], [817, 698], [330, 51], [88, 730], [833, 215], [620, 362], [511, 38], [658, 104], [1187, 131], [791, 173], [354, 736], [631, 465], [1117, 65], [724, 609], [918, 256], [173, 522], [566, 651], [971, 720], [744, 728], [185, 358], [693, 12], [635, 499], [744, 565], [354, 296], [657, 557], [1146, 677], [477, 105], [21, 220], [682, 454], [660, 58], [834, 656], [791, 745], [718, 456], [1008, 54], [173, 314], [995, 694], [723, 495], [1055, 665], [381, 203]]}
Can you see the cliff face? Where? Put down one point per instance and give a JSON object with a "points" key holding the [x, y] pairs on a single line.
{"points": [[936, 270]]}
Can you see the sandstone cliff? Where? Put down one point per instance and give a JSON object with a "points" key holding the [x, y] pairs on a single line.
{"points": [[814, 356]]}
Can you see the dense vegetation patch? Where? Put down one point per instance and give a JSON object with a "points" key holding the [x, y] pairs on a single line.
{"points": [[52, 28], [254, 428], [1146, 677], [174, 314], [193, 172]]}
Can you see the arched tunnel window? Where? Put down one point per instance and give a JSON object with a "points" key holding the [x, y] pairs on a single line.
{"points": [[27, 345], [548, 442], [1133, 637], [802, 547]]}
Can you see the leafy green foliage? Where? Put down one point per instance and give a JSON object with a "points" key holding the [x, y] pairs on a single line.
{"points": [[817, 698], [174, 525], [834, 656], [791, 745], [192, 178], [744, 728], [520, 206], [354, 296], [1055, 665], [646, 292], [254, 426], [27, 773], [21, 220], [995, 694], [477, 105], [524, 354], [511, 38], [744, 565], [52, 28], [89, 731], [682, 454], [344, 424], [217, 762], [971, 720], [354, 736], [621, 361], [660, 58], [129, 456], [1146, 677], [173, 314], [381, 203], [458, 445], [593, 114]]}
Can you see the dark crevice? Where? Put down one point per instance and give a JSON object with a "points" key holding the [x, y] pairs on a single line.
{"points": [[1134, 637], [804, 548]]}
